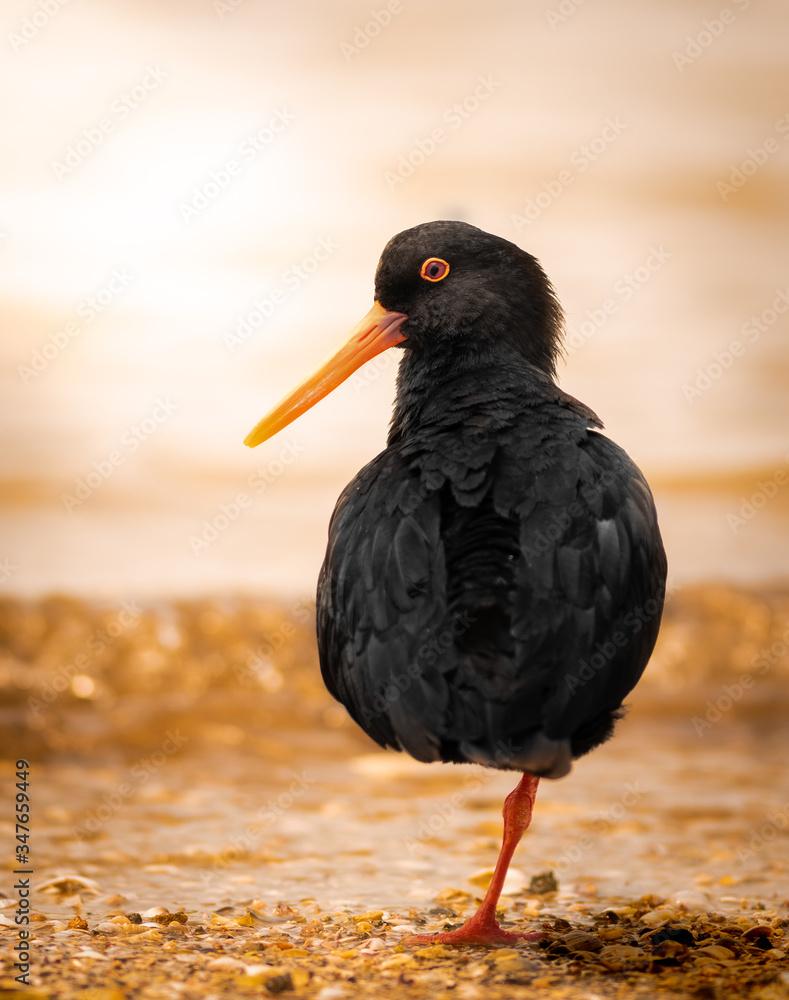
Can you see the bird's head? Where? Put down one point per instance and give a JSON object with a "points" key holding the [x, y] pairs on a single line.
{"points": [[441, 287]]}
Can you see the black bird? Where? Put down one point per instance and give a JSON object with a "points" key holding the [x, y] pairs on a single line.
{"points": [[494, 579]]}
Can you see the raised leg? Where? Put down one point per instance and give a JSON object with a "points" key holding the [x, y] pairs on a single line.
{"points": [[482, 927]]}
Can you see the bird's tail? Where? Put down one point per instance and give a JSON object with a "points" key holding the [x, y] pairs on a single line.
{"points": [[535, 753]]}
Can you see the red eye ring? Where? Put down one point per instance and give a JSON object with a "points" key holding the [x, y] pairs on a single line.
{"points": [[434, 269]]}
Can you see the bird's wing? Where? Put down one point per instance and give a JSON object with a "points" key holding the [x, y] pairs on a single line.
{"points": [[381, 605], [588, 587]]}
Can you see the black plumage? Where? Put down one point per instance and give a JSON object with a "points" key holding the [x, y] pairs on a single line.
{"points": [[494, 579]]}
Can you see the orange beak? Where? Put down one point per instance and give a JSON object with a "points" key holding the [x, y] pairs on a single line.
{"points": [[378, 331]]}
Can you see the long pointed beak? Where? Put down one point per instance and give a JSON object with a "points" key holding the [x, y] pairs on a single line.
{"points": [[378, 331]]}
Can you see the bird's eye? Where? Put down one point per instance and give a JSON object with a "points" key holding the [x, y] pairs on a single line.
{"points": [[434, 269]]}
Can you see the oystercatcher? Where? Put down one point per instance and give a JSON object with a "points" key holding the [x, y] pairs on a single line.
{"points": [[494, 578]]}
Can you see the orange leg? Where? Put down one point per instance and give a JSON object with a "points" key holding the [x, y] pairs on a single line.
{"points": [[483, 928]]}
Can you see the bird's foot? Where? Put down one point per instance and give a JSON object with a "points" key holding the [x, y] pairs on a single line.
{"points": [[474, 932]]}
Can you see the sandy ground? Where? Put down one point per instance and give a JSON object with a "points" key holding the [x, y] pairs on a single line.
{"points": [[191, 840]]}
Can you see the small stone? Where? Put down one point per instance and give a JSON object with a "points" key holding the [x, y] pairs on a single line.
{"points": [[690, 899], [506, 957], [107, 927], [481, 878], [154, 934], [543, 883], [670, 950], [224, 962], [622, 956], [582, 941], [90, 953], [373, 945], [716, 951], [759, 931], [679, 934], [78, 923], [453, 896], [279, 983], [434, 951], [514, 880], [68, 884], [654, 918]]}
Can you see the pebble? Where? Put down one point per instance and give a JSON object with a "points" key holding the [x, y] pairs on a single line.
{"points": [[279, 983], [372, 946], [716, 951], [107, 927], [226, 962], [543, 883], [622, 956], [654, 918], [582, 941], [67, 884]]}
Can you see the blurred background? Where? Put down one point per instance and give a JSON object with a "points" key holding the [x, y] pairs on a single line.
{"points": [[193, 199]]}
